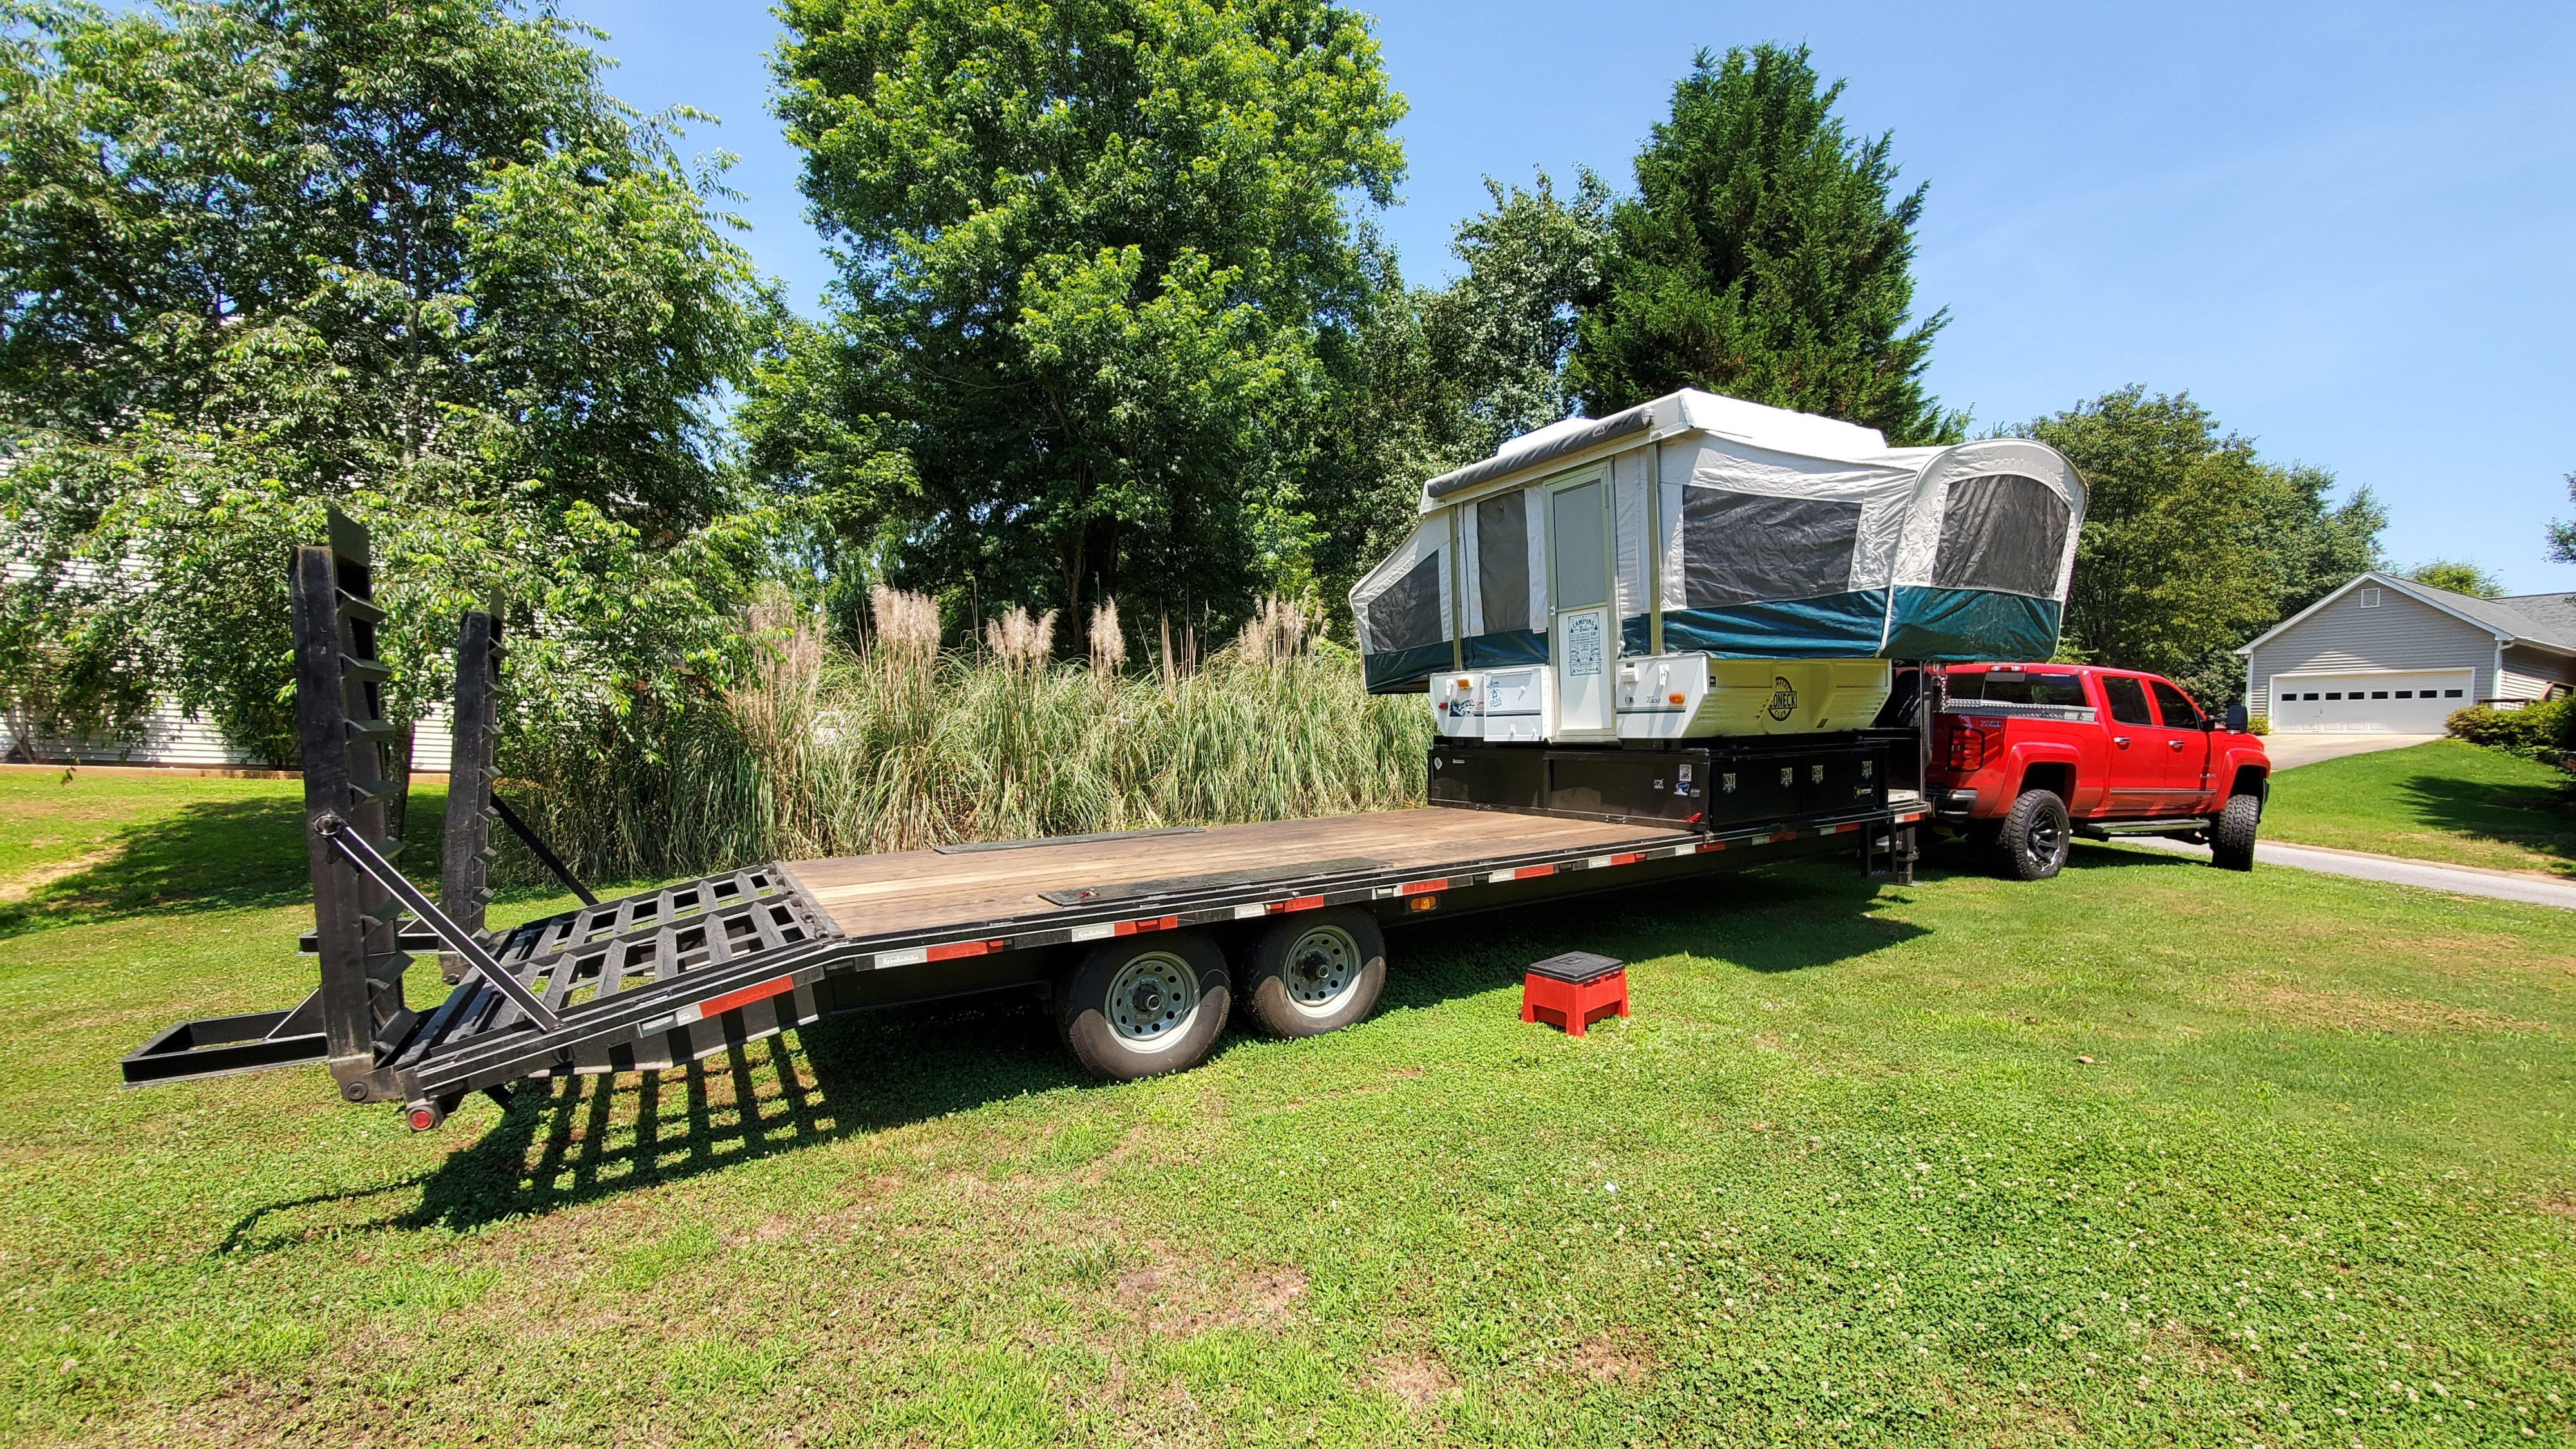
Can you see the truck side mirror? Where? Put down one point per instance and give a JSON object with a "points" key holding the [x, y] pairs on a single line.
{"points": [[2236, 718]]}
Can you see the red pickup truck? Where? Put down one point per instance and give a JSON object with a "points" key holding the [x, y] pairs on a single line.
{"points": [[2024, 756]]}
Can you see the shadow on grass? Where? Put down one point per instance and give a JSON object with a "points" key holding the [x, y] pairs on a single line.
{"points": [[568, 1141], [210, 855], [2538, 819]]}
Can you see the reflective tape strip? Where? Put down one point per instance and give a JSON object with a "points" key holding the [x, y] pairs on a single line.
{"points": [[1296, 903], [1149, 923], [719, 1005], [912, 957], [1706, 846], [1908, 819], [1780, 836], [1526, 872], [1246, 913], [955, 949], [1599, 862], [1096, 931], [1838, 829], [1631, 858], [1679, 850], [1421, 887]]}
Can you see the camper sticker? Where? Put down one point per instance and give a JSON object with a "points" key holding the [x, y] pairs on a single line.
{"points": [[1784, 700], [1583, 644]]}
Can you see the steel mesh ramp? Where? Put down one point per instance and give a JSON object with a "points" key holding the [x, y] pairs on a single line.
{"points": [[679, 949]]}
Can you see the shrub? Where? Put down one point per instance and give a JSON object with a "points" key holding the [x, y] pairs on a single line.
{"points": [[2535, 730]]}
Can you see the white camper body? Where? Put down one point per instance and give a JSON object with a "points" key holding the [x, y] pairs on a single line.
{"points": [[1763, 565]]}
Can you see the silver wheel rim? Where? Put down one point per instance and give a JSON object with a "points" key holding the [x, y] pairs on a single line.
{"points": [[1152, 1000], [1319, 969]]}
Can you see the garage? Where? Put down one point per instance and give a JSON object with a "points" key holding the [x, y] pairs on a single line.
{"points": [[2401, 702]]}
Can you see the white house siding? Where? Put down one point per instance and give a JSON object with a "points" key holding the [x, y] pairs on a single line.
{"points": [[2528, 672], [171, 738], [2345, 638]]}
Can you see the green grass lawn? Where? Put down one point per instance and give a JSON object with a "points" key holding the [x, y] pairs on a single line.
{"points": [[2151, 1154], [2447, 801]]}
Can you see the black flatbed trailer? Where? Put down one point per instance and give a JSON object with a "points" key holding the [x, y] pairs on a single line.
{"points": [[1119, 930]]}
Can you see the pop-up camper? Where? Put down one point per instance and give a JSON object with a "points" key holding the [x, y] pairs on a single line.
{"points": [[1699, 566]]}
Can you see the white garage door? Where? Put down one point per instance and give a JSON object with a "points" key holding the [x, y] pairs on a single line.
{"points": [[2409, 702]]}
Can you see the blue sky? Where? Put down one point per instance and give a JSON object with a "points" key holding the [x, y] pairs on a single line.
{"points": [[2349, 230]]}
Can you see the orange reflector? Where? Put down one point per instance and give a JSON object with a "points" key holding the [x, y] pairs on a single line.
{"points": [[1675, 698], [1422, 903]]}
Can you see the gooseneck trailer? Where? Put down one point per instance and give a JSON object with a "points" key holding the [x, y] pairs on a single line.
{"points": [[1145, 944]]}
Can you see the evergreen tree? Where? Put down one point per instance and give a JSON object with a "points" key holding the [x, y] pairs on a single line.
{"points": [[1764, 258]]}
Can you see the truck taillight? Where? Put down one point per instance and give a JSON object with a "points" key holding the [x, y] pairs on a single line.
{"points": [[1970, 747]]}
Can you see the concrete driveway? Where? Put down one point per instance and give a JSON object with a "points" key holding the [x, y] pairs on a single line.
{"points": [[2289, 751]]}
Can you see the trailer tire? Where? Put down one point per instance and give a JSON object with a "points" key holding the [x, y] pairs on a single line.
{"points": [[1313, 972], [2231, 832], [2033, 842], [1145, 1005]]}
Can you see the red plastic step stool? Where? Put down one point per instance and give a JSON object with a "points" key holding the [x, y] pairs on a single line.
{"points": [[1574, 990]]}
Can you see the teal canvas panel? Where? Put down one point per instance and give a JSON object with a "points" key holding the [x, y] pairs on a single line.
{"points": [[1958, 625], [1390, 672], [1836, 626], [1506, 648]]}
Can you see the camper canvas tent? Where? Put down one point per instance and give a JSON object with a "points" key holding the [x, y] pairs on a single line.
{"points": [[1705, 524]]}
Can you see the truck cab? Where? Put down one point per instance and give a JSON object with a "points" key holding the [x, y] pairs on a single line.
{"points": [[2026, 756]]}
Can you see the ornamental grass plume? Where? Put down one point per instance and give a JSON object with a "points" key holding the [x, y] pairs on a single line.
{"points": [[1108, 643], [1019, 641]]}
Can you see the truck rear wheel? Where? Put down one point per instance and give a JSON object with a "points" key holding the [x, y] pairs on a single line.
{"points": [[1145, 1006], [2231, 833], [1314, 972], [2033, 841]]}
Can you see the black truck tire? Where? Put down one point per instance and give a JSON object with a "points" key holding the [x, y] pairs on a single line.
{"points": [[2231, 832], [1145, 1005], [2033, 840], [1311, 972]]}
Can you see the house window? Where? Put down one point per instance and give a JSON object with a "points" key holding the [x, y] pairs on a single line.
{"points": [[2450, 694], [2312, 694], [2370, 598], [2379, 694], [2334, 696], [2407, 694]]}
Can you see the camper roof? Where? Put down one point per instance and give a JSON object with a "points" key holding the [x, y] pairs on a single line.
{"points": [[1688, 411]]}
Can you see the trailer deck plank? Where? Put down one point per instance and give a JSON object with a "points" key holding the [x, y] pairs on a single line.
{"points": [[922, 889]]}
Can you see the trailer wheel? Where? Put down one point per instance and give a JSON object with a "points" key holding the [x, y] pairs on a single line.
{"points": [[2231, 833], [1144, 1006], [2033, 842], [1314, 972]]}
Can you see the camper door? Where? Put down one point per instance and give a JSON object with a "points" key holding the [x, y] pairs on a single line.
{"points": [[1583, 639]]}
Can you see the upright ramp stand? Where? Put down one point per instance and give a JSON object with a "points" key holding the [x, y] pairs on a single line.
{"points": [[465, 865], [340, 720]]}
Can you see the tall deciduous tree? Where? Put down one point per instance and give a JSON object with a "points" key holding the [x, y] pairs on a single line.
{"points": [[2192, 544], [1095, 257], [1765, 257], [411, 259], [2562, 536], [2459, 577]]}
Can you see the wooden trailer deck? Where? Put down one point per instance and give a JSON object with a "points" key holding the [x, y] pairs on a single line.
{"points": [[868, 895]]}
